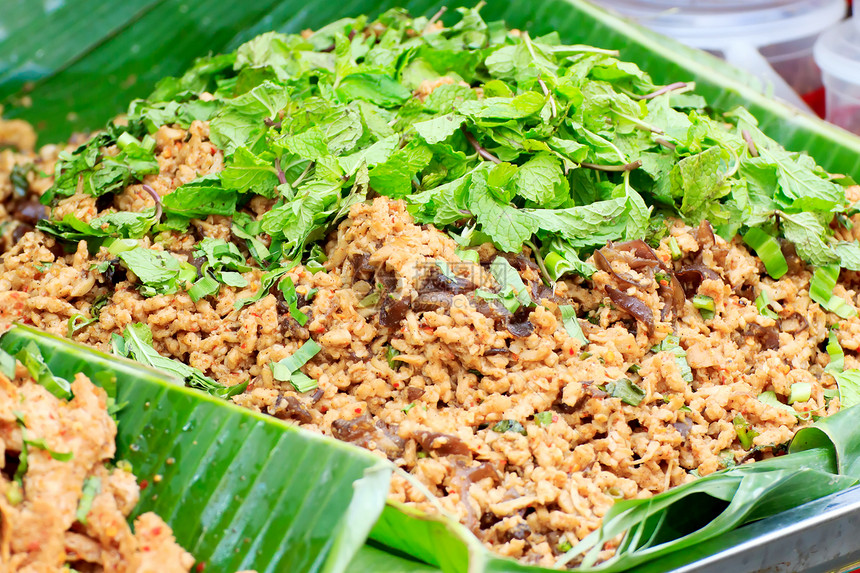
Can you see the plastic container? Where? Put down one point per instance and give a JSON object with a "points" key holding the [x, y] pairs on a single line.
{"points": [[773, 39], [837, 52]]}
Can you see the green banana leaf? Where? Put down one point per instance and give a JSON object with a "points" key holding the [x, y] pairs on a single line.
{"points": [[80, 62], [241, 490]]}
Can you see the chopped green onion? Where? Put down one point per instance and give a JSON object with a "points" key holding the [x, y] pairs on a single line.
{"points": [[661, 277], [287, 369], [92, 487], [509, 426], [118, 246], [302, 382], [148, 143], [627, 391], [762, 303], [125, 139], [31, 357], [571, 323], [564, 546], [390, 353], [288, 289], [15, 493], [634, 369], [556, 265], [674, 248], [312, 292], [821, 291], [685, 409], [468, 255], [744, 431], [837, 355], [705, 305], [768, 250], [407, 407], [205, 286], [41, 444], [800, 392], [543, 418]]}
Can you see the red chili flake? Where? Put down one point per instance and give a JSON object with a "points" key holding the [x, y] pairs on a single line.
{"points": [[156, 531], [243, 346], [144, 484], [201, 566], [212, 150], [396, 384], [571, 351], [516, 357], [145, 547], [358, 410], [324, 409]]}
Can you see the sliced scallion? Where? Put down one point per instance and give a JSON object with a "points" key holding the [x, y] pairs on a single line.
{"points": [[768, 250], [800, 392], [543, 418], [203, 287], [287, 369], [762, 303], [821, 291], [92, 487], [837, 355], [571, 323], [556, 265], [705, 306], [745, 432], [674, 248]]}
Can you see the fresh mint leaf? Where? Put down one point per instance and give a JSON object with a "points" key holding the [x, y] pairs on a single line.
{"points": [[808, 234], [379, 89], [248, 172], [439, 128], [541, 179], [506, 225], [159, 271], [199, 201]]}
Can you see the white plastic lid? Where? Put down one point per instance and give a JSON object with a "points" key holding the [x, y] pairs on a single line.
{"points": [[837, 51], [713, 24]]}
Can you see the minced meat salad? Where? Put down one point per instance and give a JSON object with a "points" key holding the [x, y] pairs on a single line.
{"points": [[517, 269], [63, 506]]}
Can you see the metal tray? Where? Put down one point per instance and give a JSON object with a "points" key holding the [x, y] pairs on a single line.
{"points": [[817, 537]]}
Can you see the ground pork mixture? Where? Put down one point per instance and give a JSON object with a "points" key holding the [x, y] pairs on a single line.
{"points": [[42, 529], [520, 430]]}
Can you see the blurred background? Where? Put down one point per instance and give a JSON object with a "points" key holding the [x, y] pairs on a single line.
{"points": [[804, 50]]}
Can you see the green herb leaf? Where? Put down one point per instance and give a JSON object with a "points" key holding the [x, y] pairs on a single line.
{"points": [[510, 426], [821, 291], [287, 369], [626, 391], [571, 323], [92, 487]]}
